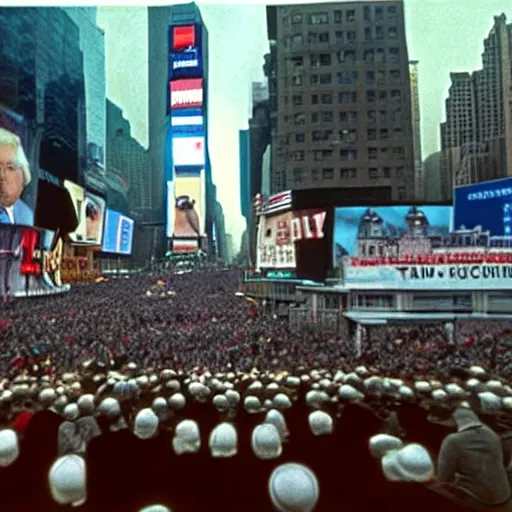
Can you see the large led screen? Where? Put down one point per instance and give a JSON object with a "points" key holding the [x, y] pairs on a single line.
{"points": [[414, 248], [487, 204], [189, 211], [17, 188], [186, 93], [275, 245], [185, 58], [90, 211], [188, 151], [118, 233]]}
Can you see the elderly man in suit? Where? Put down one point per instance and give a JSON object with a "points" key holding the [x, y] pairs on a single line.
{"points": [[471, 462], [14, 177]]}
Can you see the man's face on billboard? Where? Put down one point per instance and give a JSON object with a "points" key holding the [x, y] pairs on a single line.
{"points": [[11, 176]]}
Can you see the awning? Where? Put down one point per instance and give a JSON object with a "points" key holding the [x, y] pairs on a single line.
{"points": [[384, 317]]}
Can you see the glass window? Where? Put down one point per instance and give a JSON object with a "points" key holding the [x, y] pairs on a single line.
{"points": [[297, 99], [326, 98], [373, 173], [314, 99], [297, 41], [337, 16], [384, 133], [298, 156], [380, 55], [348, 77], [368, 33], [328, 174], [319, 18], [351, 36], [351, 15], [348, 154], [370, 96], [392, 33], [300, 137], [386, 172], [348, 173], [296, 18], [372, 134], [394, 74], [347, 97], [339, 36], [325, 78], [372, 153], [314, 79], [312, 37], [372, 116], [299, 119], [370, 77], [323, 37], [379, 13], [327, 117], [394, 54], [347, 56], [379, 32], [325, 59], [315, 117], [369, 55], [367, 13]]}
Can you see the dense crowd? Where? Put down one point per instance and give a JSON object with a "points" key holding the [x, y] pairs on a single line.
{"points": [[180, 390]]}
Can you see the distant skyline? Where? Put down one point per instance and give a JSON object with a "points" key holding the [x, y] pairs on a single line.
{"points": [[443, 35]]}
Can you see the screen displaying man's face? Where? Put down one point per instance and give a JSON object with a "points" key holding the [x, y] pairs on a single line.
{"points": [[11, 176]]}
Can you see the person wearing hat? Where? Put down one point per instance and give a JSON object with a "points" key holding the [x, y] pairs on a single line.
{"points": [[471, 463]]}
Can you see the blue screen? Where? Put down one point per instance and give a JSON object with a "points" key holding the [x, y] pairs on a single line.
{"points": [[118, 234], [487, 204]]}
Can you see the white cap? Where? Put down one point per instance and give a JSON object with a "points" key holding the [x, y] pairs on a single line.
{"points": [[71, 412], [252, 404], [155, 508], [362, 370], [220, 402], [493, 385], [352, 379], [339, 376], [86, 404], [489, 402], [347, 392], [422, 386], [177, 401], [507, 402], [9, 447], [146, 424], [316, 398], [173, 385], [223, 440], [281, 401], [255, 385], [273, 386], [67, 480], [454, 390], [373, 384], [232, 396], [293, 488], [292, 381], [382, 443], [276, 418], [160, 405], [321, 423], [406, 392], [439, 394], [471, 383], [477, 371], [47, 396], [186, 437], [266, 442], [411, 464], [109, 407]]}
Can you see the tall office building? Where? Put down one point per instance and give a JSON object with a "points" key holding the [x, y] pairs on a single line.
{"points": [[245, 171], [419, 180], [476, 138], [340, 97]]}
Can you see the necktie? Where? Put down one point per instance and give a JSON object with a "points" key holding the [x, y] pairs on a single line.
{"points": [[4, 217]]}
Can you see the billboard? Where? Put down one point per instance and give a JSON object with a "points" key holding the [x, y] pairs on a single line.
{"points": [[18, 188], [188, 150], [413, 248], [189, 206], [186, 93], [90, 211], [185, 56], [487, 204], [279, 237], [118, 233]]}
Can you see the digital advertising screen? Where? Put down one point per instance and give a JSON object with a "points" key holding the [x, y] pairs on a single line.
{"points": [[188, 150], [487, 204], [18, 189], [185, 53], [118, 233], [275, 244], [189, 206], [186, 93], [90, 211], [184, 124], [415, 248]]}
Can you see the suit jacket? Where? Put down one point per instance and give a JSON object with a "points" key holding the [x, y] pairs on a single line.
{"points": [[22, 213], [472, 459]]}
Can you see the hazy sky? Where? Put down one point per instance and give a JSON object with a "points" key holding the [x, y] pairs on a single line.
{"points": [[444, 35]]}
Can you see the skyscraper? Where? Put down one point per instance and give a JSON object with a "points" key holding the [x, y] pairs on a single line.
{"points": [[476, 138], [340, 95]]}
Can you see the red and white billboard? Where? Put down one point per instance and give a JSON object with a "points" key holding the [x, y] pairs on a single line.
{"points": [[188, 151], [183, 37], [187, 93]]}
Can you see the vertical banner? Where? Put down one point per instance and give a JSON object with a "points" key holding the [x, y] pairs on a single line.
{"points": [[189, 213]]}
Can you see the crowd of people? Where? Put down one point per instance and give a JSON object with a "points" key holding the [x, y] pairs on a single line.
{"points": [[177, 389]]}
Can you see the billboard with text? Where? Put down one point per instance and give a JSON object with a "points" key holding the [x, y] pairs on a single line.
{"points": [[185, 51], [413, 248], [282, 237], [118, 235], [189, 206], [487, 204], [188, 150], [186, 93]]}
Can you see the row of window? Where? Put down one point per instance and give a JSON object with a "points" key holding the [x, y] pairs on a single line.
{"points": [[348, 173], [326, 98], [348, 136], [348, 154], [340, 16], [369, 55], [348, 117]]}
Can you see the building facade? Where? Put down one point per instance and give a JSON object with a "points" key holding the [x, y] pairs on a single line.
{"points": [[476, 138], [245, 171], [340, 98]]}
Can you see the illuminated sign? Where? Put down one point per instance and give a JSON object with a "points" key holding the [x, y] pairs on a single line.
{"points": [[183, 37], [186, 59], [188, 151], [187, 120], [186, 93]]}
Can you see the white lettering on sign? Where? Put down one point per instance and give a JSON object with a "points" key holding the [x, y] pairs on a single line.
{"points": [[186, 97], [180, 64], [308, 228]]}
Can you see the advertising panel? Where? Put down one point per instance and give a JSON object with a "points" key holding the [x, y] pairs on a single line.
{"points": [[413, 248], [18, 188], [281, 237], [118, 235], [90, 211], [186, 93], [188, 151], [184, 124], [487, 204], [189, 212], [185, 59], [185, 246]]}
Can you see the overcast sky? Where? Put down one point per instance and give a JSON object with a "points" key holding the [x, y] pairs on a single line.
{"points": [[444, 35]]}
